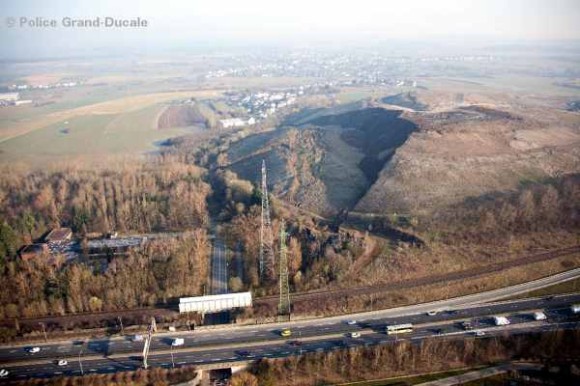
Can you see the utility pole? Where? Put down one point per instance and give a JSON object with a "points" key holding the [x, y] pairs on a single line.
{"points": [[121, 324], [81, 362], [44, 331], [265, 263], [152, 327], [284, 303]]}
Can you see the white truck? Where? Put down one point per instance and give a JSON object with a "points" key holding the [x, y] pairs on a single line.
{"points": [[501, 321], [575, 308]]}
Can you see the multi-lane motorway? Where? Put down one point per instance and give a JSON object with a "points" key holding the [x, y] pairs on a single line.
{"points": [[252, 342]]}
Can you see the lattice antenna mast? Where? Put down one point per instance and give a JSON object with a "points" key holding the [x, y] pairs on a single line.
{"points": [[266, 239], [284, 303]]}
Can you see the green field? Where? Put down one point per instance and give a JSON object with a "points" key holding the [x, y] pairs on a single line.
{"points": [[89, 136]]}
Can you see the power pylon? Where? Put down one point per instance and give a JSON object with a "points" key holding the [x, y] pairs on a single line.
{"points": [[150, 330], [266, 238], [284, 303]]}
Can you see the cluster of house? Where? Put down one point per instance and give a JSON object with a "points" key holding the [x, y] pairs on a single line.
{"points": [[259, 105], [340, 68], [57, 241], [22, 87]]}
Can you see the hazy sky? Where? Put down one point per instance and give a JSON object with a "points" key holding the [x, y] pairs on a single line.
{"points": [[181, 23]]}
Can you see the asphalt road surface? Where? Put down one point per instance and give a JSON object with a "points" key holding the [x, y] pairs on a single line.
{"points": [[219, 268], [264, 341]]}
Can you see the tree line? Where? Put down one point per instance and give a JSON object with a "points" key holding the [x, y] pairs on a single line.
{"points": [[549, 205], [160, 195], [162, 270], [402, 358]]}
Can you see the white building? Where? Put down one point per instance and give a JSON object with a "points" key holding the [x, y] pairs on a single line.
{"points": [[9, 97], [215, 303], [232, 122]]}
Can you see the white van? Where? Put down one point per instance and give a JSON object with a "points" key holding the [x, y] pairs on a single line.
{"points": [[539, 316]]}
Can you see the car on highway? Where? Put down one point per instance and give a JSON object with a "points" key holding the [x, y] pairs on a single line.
{"points": [[295, 343], [355, 334], [479, 333], [243, 353], [432, 313], [467, 325], [3, 373], [178, 342], [34, 350], [286, 332], [351, 322], [575, 308], [63, 362], [501, 320], [137, 338], [539, 316]]}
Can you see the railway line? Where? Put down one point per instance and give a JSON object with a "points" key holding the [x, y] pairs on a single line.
{"points": [[169, 311]]}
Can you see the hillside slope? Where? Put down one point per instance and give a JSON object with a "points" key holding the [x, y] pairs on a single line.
{"points": [[471, 152], [328, 163]]}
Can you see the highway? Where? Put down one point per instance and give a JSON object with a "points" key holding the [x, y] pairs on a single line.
{"points": [[252, 342]]}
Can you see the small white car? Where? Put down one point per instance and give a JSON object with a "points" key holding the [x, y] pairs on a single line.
{"points": [[432, 313], [479, 333], [3, 373], [178, 342], [34, 350], [63, 362], [137, 338], [355, 334], [351, 322]]}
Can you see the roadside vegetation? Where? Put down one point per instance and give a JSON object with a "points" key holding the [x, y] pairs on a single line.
{"points": [[405, 358], [154, 376], [162, 195]]}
